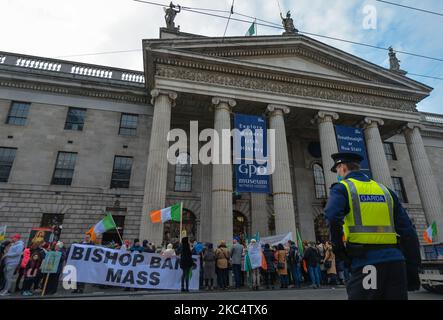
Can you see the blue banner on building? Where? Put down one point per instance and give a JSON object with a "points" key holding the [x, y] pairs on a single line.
{"points": [[351, 139], [250, 154]]}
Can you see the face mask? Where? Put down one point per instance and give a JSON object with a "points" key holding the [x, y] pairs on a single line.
{"points": [[340, 178]]}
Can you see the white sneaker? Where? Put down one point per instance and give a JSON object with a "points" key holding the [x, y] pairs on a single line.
{"points": [[4, 293]]}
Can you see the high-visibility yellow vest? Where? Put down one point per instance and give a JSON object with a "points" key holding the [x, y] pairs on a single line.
{"points": [[371, 216]]}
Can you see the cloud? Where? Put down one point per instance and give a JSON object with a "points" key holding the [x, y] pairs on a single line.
{"points": [[55, 28]]}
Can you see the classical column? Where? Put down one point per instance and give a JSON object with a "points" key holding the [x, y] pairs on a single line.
{"points": [[156, 173], [281, 177], [328, 144], [427, 186], [259, 214], [206, 204], [376, 153], [222, 227]]}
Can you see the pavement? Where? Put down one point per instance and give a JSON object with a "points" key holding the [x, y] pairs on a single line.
{"points": [[326, 293]]}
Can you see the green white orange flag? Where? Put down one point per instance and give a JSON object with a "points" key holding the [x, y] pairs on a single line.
{"points": [[106, 224], [430, 233], [173, 213]]}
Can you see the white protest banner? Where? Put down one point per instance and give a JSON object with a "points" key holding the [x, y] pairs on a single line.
{"points": [[105, 266], [275, 240]]}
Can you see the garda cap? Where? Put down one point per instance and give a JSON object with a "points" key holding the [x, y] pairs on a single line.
{"points": [[345, 157]]}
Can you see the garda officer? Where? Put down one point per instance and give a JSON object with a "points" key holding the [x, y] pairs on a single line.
{"points": [[376, 231]]}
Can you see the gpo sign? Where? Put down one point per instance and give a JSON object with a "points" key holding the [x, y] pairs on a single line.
{"points": [[252, 170]]}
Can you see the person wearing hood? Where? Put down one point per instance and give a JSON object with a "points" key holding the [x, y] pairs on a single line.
{"points": [[12, 260], [186, 263]]}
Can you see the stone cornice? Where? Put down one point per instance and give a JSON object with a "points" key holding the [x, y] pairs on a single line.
{"points": [[299, 80], [225, 76], [66, 90]]}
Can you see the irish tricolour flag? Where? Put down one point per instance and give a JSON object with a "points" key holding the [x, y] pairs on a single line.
{"points": [[173, 213], [106, 224], [430, 233]]}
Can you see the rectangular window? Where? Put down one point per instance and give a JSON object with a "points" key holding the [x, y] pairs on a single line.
{"points": [[7, 156], [389, 151], [128, 124], [399, 189], [18, 113], [51, 219], [64, 168], [75, 119], [121, 174]]}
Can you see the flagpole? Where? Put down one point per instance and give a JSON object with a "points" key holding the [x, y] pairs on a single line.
{"points": [[181, 220]]}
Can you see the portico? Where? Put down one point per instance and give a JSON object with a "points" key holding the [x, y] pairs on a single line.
{"points": [[304, 88]]}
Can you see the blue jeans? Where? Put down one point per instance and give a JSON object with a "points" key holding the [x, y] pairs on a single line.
{"points": [[236, 269], [314, 275], [296, 274]]}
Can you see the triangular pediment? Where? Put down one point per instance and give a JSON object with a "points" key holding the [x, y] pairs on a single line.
{"points": [[296, 63], [297, 56]]}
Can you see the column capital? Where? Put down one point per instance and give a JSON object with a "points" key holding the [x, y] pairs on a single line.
{"points": [[230, 102], [155, 93], [369, 121], [275, 107], [325, 116]]}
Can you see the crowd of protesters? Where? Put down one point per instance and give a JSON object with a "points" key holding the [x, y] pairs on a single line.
{"points": [[25, 262], [287, 265]]}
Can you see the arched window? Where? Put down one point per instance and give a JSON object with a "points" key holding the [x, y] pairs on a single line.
{"points": [[183, 173], [319, 181]]}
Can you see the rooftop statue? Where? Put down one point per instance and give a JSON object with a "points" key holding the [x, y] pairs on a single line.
{"points": [[170, 14], [288, 24], [394, 63]]}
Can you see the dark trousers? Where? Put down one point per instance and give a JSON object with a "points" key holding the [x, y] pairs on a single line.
{"points": [[236, 268], [269, 278], [284, 281], [21, 273], [391, 283], [185, 278], [27, 283], [52, 286], [222, 277]]}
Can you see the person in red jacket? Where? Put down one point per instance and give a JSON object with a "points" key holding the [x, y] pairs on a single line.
{"points": [[21, 270]]}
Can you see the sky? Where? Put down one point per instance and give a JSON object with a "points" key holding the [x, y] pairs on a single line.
{"points": [[69, 29]]}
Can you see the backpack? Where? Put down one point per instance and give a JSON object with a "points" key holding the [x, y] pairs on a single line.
{"points": [[294, 256]]}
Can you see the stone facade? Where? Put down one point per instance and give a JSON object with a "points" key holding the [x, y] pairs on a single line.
{"points": [[304, 86]]}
